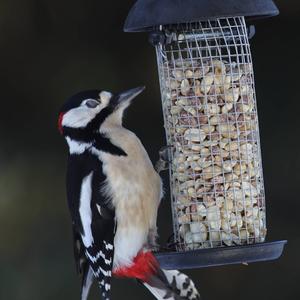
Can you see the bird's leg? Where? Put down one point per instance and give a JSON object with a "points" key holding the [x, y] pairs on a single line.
{"points": [[164, 159]]}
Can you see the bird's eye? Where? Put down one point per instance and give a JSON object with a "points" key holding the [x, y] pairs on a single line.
{"points": [[91, 103]]}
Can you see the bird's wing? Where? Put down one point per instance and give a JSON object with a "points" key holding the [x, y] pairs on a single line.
{"points": [[95, 261], [94, 223], [100, 253], [79, 252]]}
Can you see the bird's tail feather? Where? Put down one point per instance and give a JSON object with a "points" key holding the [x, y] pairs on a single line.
{"points": [[172, 285], [163, 284], [87, 281]]}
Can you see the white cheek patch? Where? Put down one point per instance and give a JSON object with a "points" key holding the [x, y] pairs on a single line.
{"points": [[79, 117]]}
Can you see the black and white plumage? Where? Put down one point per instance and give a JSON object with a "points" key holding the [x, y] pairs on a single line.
{"points": [[172, 285], [113, 195]]}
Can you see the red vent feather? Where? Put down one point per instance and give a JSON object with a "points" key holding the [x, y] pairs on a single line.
{"points": [[144, 266]]}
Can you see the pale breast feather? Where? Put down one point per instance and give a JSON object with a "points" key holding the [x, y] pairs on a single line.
{"points": [[135, 191]]}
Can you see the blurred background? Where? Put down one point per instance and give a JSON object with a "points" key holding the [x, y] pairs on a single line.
{"points": [[52, 49]]}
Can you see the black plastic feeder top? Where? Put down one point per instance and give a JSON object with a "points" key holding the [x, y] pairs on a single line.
{"points": [[145, 15]]}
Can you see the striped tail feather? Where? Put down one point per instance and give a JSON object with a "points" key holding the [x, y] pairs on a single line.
{"points": [[87, 281], [172, 285], [163, 284]]}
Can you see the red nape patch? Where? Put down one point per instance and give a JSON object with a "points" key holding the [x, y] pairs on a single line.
{"points": [[59, 123], [144, 266]]}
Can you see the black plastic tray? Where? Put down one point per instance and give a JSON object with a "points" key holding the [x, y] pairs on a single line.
{"points": [[204, 258], [145, 15]]}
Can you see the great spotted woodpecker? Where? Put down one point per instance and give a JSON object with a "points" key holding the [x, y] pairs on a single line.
{"points": [[113, 195]]}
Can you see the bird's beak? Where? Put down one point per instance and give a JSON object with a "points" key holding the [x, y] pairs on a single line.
{"points": [[128, 95]]}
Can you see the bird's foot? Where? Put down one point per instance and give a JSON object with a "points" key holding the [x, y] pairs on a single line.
{"points": [[164, 159]]}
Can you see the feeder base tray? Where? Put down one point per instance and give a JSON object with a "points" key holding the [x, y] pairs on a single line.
{"points": [[203, 258]]}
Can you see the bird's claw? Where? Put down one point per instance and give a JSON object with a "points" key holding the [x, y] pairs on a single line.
{"points": [[164, 159]]}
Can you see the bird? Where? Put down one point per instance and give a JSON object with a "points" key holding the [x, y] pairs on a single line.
{"points": [[113, 195]]}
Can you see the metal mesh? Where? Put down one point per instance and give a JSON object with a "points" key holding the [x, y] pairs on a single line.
{"points": [[211, 122]]}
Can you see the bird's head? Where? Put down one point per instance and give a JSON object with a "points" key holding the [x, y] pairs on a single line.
{"points": [[94, 110]]}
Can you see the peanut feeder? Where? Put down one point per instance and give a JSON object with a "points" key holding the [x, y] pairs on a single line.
{"points": [[211, 122]]}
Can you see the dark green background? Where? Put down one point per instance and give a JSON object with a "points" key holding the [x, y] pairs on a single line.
{"points": [[51, 49]]}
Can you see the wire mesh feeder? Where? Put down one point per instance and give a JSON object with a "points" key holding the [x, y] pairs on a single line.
{"points": [[211, 122]]}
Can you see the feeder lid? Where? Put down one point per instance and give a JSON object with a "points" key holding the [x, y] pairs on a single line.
{"points": [[147, 14]]}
